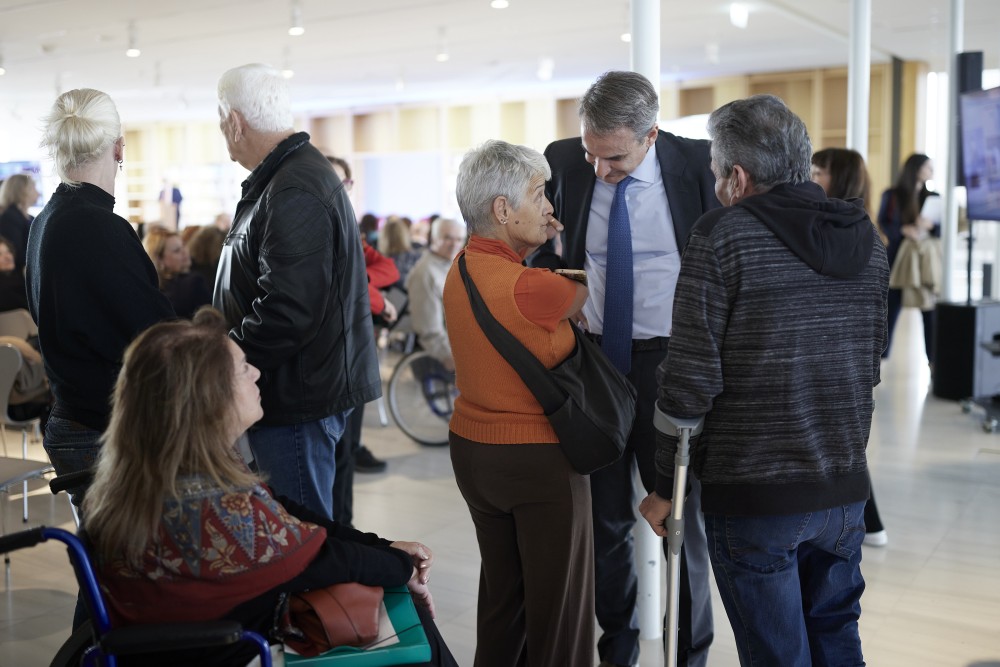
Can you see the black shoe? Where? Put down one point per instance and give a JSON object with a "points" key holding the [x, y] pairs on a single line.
{"points": [[365, 461]]}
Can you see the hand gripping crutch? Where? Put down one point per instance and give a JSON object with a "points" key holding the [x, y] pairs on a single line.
{"points": [[683, 430]]}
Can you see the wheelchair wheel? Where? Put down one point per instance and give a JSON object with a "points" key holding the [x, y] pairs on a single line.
{"points": [[71, 652], [421, 398]]}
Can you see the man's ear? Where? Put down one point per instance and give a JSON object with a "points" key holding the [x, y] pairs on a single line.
{"points": [[239, 124], [653, 134], [742, 184]]}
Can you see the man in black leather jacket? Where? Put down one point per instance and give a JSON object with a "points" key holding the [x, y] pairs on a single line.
{"points": [[292, 286]]}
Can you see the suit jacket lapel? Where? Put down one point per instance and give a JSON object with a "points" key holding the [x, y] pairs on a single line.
{"points": [[682, 193]]}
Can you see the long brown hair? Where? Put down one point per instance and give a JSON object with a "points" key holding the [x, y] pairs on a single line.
{"points": [[172, 415], [848, 175], [910, 197]]}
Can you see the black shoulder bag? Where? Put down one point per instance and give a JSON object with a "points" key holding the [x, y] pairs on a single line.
{"points": [[589, 403]]}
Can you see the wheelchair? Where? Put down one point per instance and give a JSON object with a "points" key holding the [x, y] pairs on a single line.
{"points": [[422, 396], [97, 644]]}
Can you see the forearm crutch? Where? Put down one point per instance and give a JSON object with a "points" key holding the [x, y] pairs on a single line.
{"points": [[683, 430]]}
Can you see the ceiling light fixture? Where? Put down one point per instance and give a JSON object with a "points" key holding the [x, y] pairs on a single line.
{"points": [[3, 70], [133, 48], [442, 52], [286, 70], [626, 37], [739, 15], [546, 66], [499, 4], [295, 28]]}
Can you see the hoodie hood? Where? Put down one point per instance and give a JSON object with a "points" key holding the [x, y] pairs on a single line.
{"points": [[832, 236]]}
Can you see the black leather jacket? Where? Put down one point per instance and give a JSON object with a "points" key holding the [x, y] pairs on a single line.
{"points": [[293, 288]]}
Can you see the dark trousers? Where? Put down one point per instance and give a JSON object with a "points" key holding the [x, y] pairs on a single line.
{"points": [[614, 554], [536, 582], [343, 480], [873, 523]]}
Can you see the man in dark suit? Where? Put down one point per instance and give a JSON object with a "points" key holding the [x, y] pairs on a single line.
{"points": [[627, 212]]}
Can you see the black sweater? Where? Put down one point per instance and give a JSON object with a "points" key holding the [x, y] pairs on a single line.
{"points": [[91, 290], [779, 324]]}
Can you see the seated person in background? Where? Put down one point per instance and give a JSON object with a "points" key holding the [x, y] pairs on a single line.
{"points": [[204, 248], [425, 287], [30, 397], [183, 531], [394, 242], [17, 194], [186, 291], [12, 293]]}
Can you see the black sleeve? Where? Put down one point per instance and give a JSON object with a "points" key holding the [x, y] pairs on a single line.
{"points": [[333, 529]]}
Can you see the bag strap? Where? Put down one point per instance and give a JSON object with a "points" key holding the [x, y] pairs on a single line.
{"points": [[532, 371]]}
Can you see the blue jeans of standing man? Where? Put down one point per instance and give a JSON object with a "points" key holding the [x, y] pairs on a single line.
{"points": [[297, 460], [792, 585]]}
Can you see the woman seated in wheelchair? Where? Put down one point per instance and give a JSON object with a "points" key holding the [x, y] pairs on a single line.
{"points": [[183, 531]]}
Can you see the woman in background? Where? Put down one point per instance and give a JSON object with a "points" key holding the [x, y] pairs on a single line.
{"points": [[17, 194], [531, 510], [186, 291], [899, 217], [205, 247], [91, 287], [394, 242], [183, 531], [842, 174]]}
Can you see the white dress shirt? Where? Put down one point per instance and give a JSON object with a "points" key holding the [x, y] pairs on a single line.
{"points": [[656, 260]]}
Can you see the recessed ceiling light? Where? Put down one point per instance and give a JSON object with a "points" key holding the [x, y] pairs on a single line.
{"points": [[499, 4], [626, 37]]}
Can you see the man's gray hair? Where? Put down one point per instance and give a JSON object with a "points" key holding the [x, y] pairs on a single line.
{"points": [[439, 226], [495, 169], [617, 100], [260, 94], [763, 136]]}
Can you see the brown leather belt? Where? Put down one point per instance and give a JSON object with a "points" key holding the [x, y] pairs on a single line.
{"points": [[638, 344]]}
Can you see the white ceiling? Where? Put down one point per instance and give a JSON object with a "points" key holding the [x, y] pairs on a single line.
{"points": [[362, 53]]}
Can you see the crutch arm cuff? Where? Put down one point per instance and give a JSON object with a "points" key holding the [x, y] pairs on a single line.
{"points": [[671, 426]]}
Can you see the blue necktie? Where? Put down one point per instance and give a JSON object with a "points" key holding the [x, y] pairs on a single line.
{"points": [[616, 339]]}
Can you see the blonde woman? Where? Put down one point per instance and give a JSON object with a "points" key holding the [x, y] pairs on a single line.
{"points": [[91, 288]]}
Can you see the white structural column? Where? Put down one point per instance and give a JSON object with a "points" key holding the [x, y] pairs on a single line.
{"points": [[858, 76], [645, 59], [949, 226]]}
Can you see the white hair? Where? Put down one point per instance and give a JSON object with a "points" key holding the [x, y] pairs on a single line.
{"points": [[439, 225], [495, 169], [260, 94], [82, 125]]}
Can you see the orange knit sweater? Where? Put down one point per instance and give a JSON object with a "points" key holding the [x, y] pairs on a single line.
{"points": [[494, 406]]}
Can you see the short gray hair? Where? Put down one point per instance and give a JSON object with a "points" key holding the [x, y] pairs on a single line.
{"points": [[495, 169], [82, 125], [617, 100], [260, 94], [763, 136]]}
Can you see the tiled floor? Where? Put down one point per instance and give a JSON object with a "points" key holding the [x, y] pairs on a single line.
{"points": [[933, 596]]}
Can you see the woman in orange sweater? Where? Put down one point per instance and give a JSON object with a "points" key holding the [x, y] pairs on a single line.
{"points": [[530, 508]]}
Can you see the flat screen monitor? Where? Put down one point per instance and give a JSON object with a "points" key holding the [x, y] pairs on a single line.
{"points": [[981, 152]]}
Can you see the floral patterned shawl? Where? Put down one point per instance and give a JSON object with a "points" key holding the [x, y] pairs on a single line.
{"points": [[213, 550]]}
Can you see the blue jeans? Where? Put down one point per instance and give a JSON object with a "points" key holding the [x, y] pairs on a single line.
{"points": [[792, 585], [71, 447], [297, 460]]}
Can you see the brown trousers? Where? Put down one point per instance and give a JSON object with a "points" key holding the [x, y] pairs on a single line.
{"points": [[536, 584]]}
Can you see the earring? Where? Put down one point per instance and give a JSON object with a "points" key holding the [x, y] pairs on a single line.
{"points": [[503, 221], [120, 161]]}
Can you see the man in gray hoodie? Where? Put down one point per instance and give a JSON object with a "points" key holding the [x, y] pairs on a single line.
{"points": [[779, 323]]}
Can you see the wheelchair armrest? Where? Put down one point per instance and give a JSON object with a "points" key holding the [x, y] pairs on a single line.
{"points": [[137, 639], [71, 480], [21, 540]]}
